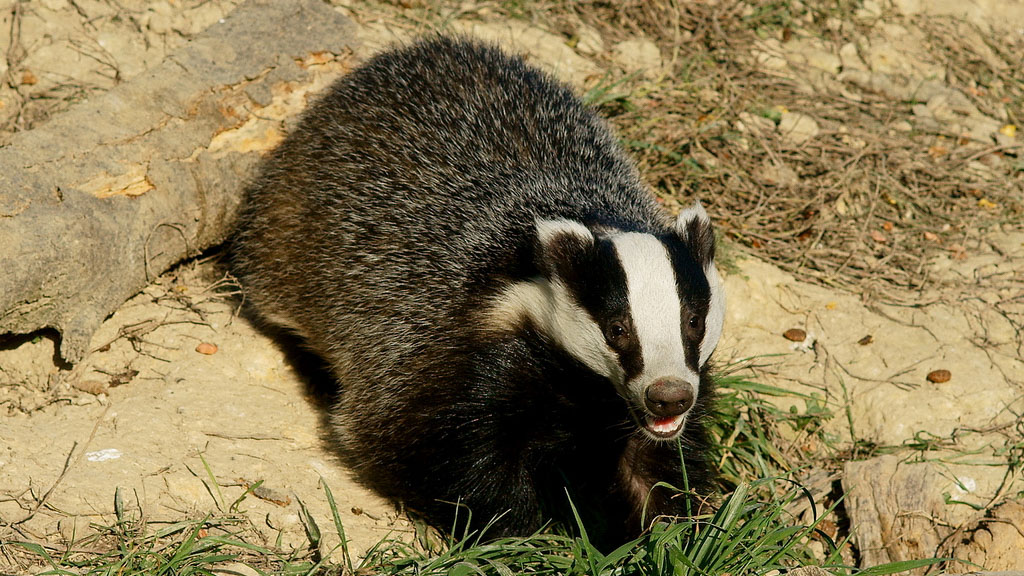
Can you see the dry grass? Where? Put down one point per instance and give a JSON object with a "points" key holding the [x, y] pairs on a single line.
{"points": [[863, 206], [860, 206]]}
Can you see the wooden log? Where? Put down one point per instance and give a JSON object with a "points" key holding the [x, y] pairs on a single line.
{"points": [[102, 198]]}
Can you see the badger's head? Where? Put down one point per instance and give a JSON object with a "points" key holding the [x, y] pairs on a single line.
{"points": [[644, 310]]}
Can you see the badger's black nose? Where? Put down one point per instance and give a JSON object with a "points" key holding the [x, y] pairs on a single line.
{"points": [[669, 397]]}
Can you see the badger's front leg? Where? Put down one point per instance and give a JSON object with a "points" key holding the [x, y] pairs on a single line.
{"points": [[505, 432], [657, 482]]}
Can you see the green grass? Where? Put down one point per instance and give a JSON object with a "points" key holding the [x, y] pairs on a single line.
{"points": [[746, 535], [750, 532], [748, 429], [181, 548], [742, 537]]}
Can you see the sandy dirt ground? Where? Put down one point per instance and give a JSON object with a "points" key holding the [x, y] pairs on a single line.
{"points": [[183, 408]]}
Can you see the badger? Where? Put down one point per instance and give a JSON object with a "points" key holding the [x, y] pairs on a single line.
{"points": [[516, 328]]}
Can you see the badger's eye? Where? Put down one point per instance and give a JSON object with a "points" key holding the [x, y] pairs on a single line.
{"points": [[693, 325], [617, 334]]}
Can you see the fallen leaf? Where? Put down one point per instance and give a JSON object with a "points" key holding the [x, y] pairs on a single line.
{"points": [[887, 226], [830, 306], [795, 335], [866, 340], [28, 78], [206, 348], [931, 237], [878, 237], [937, 151], [939, 376], [1009, 130], [809, 445], [986, 203]]}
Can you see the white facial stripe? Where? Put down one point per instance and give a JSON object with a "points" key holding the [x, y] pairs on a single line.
{"points": [[716, 314], [654, 306], [553, 311], [548, 230]]}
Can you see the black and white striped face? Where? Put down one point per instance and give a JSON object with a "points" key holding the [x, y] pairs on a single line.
{"points": [[644, 310]]}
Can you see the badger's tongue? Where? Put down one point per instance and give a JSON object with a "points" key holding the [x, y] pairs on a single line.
{"points": [[666, 425]]}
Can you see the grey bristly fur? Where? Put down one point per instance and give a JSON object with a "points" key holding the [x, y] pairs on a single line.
{"points": [[383, 228]]}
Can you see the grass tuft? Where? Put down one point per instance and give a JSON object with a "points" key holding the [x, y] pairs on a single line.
{"points": [[749, 430], [751, 532]]}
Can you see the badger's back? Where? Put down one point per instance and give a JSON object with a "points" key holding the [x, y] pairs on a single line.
{"points": [[409, 192]]}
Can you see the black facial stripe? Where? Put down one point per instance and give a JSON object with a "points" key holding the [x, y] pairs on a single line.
{"points": [[569, 253], [694, 294], [599, 287]]}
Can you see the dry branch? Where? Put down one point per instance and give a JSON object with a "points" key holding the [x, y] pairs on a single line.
{"points": [[100, 199]]}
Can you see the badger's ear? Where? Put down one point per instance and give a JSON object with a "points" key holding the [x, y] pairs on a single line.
{"points": [[693, 226], [562, 246]]}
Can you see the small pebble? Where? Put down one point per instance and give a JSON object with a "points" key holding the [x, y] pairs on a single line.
{"points": [[795, 335], [95, 387], [271, 495], [206, 348], [939, 376], [830, 528]]}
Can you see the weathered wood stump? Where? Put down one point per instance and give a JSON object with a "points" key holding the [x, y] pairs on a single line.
{"points": [[102, 198]]}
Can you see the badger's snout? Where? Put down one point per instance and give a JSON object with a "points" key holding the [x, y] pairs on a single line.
{"points": [[667, 401], [669, 397]]}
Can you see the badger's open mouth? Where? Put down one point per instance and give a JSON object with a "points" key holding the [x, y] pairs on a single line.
{"points": [[664, 428], [656, 428]]}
